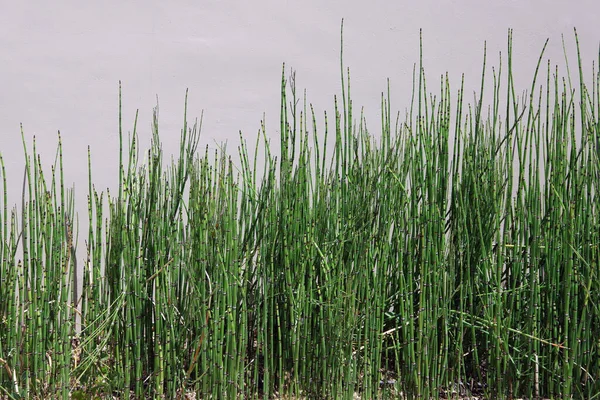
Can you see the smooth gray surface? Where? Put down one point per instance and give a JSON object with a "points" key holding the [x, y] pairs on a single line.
{"points": [[61, 62]]}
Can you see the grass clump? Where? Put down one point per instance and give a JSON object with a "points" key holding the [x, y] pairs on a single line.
{"points": [[455, 256]]}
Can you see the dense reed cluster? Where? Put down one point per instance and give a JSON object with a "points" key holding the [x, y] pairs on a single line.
{"points": [[453, 254]]}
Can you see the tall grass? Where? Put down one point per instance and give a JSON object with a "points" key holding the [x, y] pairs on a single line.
{"points": [[456, 254]]}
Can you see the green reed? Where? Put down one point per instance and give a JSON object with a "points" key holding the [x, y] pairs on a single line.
{"points": [[455, 254]]}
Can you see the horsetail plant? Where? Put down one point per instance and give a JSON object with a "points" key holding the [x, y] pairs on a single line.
{"points": [[455, 254]]}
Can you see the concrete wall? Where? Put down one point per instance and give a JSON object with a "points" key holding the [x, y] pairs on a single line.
{"points": [[61, 61]]}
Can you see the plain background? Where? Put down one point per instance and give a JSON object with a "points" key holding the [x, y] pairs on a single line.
{"points": [[61, 62]]}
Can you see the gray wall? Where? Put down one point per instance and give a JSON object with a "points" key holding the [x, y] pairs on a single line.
{"points": [[61, 61]]}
